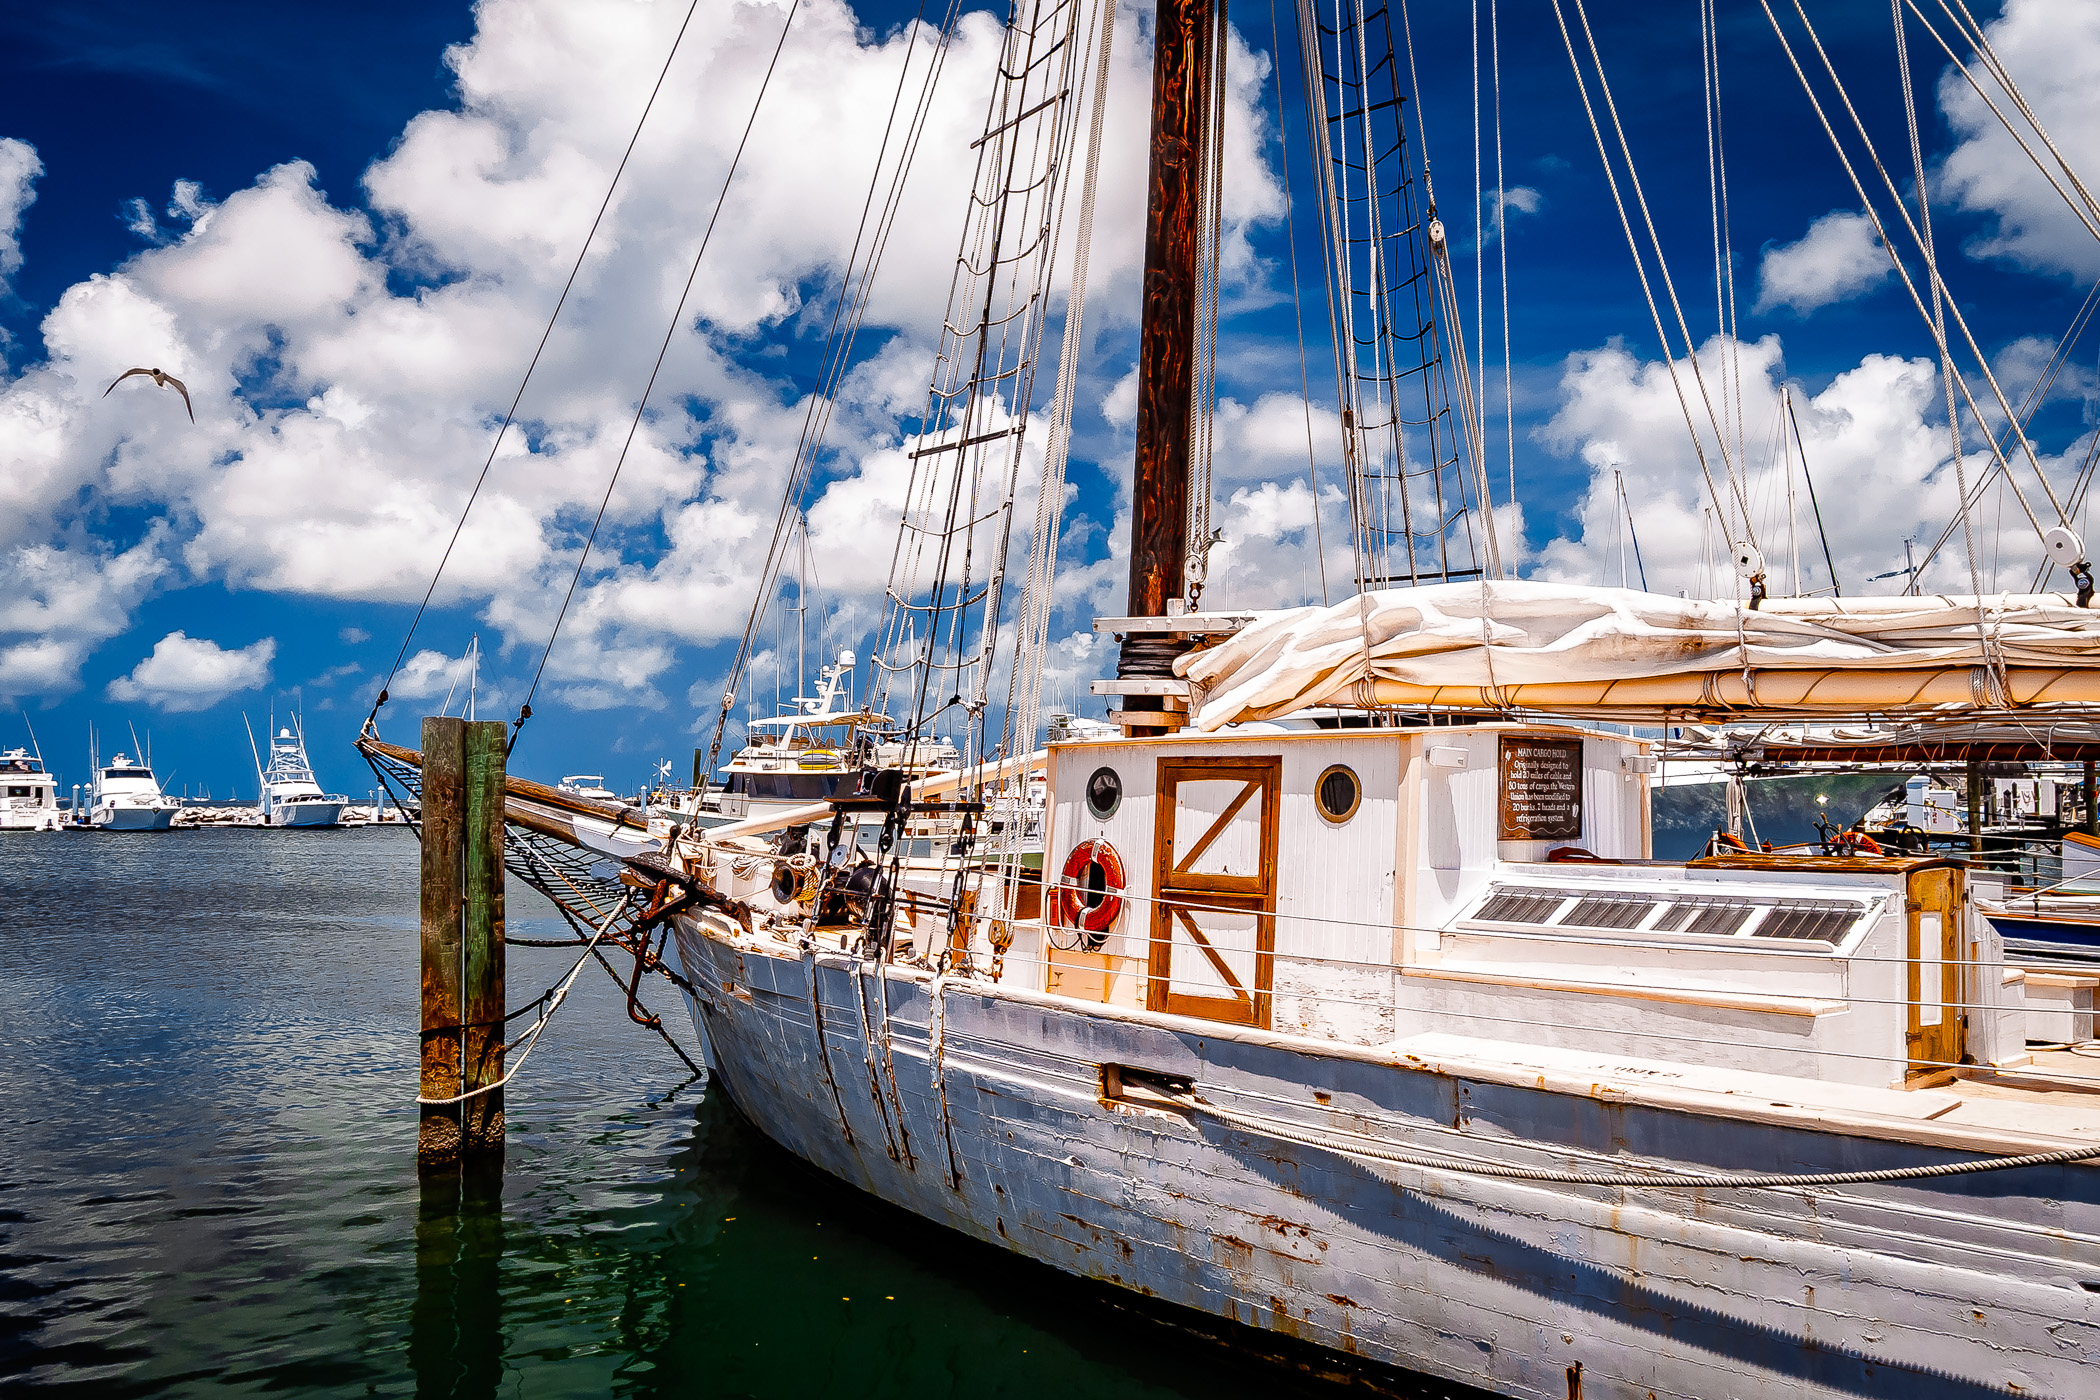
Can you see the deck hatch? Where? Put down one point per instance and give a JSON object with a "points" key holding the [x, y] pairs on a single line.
{"points": [[1713, 915], [1523, 904], [1823, 919], [1665, 911], [1612, 910]]}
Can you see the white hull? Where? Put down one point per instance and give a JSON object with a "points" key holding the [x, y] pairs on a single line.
{"points": [[32, 819], [132, 818], [304, 814], [982, 1109]]}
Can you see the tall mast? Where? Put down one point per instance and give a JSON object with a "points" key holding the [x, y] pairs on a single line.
{"points": [[1167, 331]]}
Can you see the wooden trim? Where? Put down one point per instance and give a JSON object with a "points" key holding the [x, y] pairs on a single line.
{"points": [[2071, 981], [1935, 888], [1212, 955], [1788, 860], [1254, 894], [1728, 1001], [1217, 828]]}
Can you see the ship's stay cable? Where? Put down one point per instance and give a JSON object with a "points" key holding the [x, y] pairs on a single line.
{"points": [[1786, 398], [1640, 267], [512, 412], [1509, 391], [642, 404], [848, 313], [1025, 677], [1953, 306], [1290, 238], [1939, 317], [1975, 34], [2029, 406]]}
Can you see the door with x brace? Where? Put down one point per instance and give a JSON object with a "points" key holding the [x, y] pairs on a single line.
{"points": [[1214, 885]]}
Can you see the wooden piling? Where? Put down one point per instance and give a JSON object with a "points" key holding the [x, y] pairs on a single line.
{"points": [[462, 939], [482, 925]]}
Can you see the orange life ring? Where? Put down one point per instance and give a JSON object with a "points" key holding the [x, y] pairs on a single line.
{"points": [[1859, 843], [1095, 871]]}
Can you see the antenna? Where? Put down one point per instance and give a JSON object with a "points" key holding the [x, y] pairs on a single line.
{"points": [[32, 737], [252, 751], [136, 746]]}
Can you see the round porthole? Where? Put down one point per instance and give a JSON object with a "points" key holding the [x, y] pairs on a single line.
{"points": [[1104, 793], [1338, 794]]}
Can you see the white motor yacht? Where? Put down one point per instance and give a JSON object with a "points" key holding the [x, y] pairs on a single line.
{"points": [[28, 794], [290, 796], [590, 785], [127, 797], [810, 755]]}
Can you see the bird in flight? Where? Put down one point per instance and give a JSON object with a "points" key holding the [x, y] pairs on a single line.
{"points": [[164, 381]]}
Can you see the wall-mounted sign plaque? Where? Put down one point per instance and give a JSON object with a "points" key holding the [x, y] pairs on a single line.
{"points": [[1541, 789]]}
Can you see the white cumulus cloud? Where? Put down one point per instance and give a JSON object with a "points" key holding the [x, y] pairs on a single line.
{"points": [[349, 363], [1837, 259], [19, 168], [2052, 50], [194, 673], [1879, 468]]}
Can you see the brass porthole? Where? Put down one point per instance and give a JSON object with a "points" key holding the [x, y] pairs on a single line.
{"points": [[1338, 793]]}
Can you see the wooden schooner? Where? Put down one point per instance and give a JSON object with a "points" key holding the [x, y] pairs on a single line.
{"points": [[1349, 1007]]}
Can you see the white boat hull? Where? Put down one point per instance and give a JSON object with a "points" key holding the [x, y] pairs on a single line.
{"points": [[132, 818], [31, 819], [305, 814], [983, 1110]]}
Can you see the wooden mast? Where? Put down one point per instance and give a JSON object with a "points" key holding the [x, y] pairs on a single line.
{"points": [[1181, 69]]}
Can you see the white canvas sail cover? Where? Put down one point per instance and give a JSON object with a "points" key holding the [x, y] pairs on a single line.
{"points": [[1568, 647]]}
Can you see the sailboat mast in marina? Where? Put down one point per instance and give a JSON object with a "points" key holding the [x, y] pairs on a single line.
{"points": [[1347, 1010]]}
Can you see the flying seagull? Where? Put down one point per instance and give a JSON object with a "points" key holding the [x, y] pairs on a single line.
{"points": [[164, 381]]}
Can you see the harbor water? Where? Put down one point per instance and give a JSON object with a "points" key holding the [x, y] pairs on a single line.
{"points": [[208, 1185]]}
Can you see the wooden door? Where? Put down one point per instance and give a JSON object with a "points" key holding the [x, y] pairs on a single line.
{"points": [[1214, 886], [1933, 910]]}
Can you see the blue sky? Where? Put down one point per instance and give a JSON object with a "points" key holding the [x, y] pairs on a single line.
{"points": [[346, 236]]}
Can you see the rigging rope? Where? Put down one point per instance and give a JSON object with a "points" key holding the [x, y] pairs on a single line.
{"points": [[1939, 324], [553, 1000], [512, 412], [1903, 273], [1640, 268], [1290, 234], [848, 312], [642, 405]]}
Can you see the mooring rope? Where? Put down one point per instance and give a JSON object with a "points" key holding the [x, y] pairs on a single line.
{"points": [[531, 1038], [1360, 1145]]}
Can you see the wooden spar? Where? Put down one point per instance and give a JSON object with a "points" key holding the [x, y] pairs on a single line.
{"points": [[444, 812], [1766, 690], [1167, 328], [462, 938]]}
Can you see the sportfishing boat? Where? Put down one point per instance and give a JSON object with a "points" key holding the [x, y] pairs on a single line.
{"points": [[1350, 1009], [290, 795], [28, 793], [125, 796], [810, 754], [591, 785]]}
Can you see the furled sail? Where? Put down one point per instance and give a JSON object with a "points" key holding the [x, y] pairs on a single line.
{"points": [[1620, 652]]}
